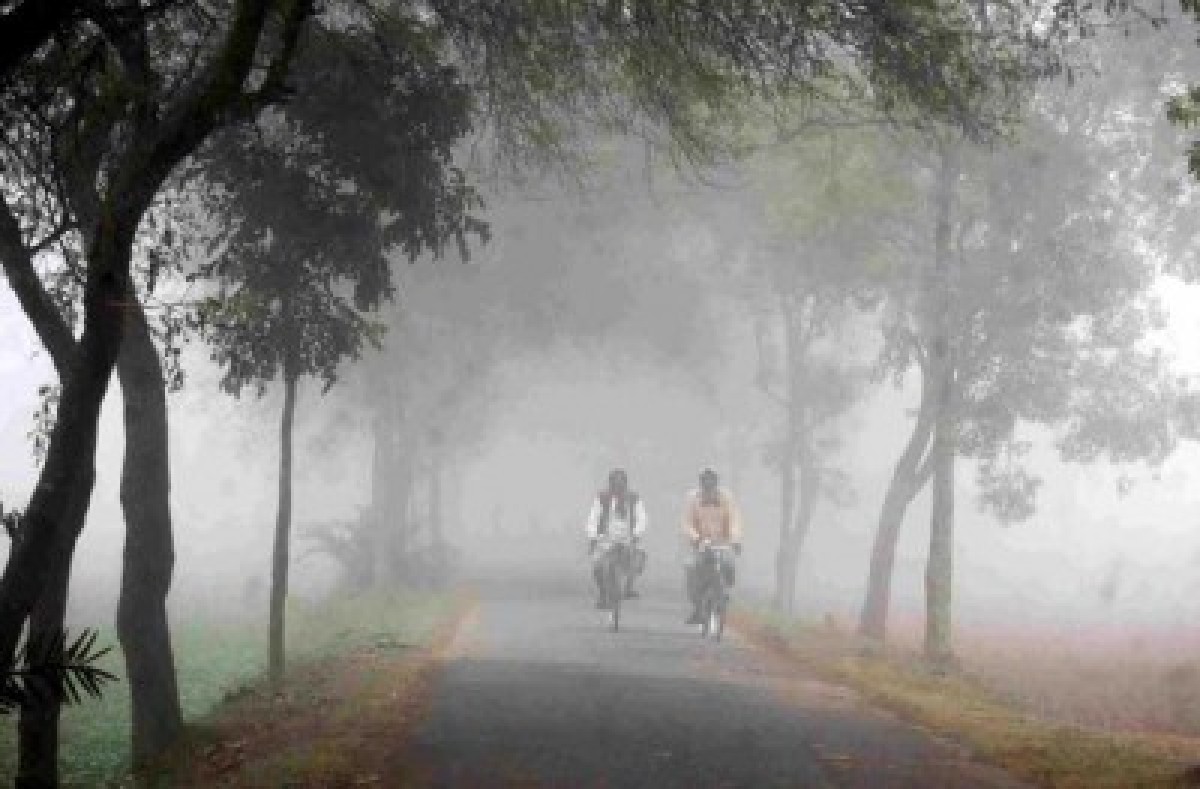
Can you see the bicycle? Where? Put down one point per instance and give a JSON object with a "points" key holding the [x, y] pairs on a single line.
{"points": [[715, 568], [616, 566]]}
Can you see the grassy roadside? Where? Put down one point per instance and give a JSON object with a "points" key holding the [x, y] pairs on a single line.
{"points": [[340, 720], [219, 663], [956, 706]]}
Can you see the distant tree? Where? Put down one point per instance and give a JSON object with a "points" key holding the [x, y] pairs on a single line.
{"points": [[829, 199], [1019, 315]]}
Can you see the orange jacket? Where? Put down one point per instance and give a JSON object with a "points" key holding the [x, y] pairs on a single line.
{"points": [[718, 521]]}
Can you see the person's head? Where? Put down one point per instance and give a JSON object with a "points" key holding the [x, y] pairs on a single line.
{"points": [[708, 481], [618, 482]]}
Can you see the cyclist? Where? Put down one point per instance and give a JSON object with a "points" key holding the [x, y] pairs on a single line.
{"points": [[712, 515], [616, 508]]}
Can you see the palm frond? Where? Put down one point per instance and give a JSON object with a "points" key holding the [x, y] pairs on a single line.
{"points": [[50, 670]]}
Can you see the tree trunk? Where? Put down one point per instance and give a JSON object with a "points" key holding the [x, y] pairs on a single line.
{"points": [[810, 489], [873, 620], [149, 557], [939, 576], [48, 526], [436, 532], [786, 554], [939, 571], [38, 729], [379, 490], [283, 525], [386, 515], [785, 575], [908, 478], [401, 522], [452, 491]]}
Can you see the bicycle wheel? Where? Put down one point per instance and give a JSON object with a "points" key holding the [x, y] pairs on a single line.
{"points": [[614, 594], [720, 598]]}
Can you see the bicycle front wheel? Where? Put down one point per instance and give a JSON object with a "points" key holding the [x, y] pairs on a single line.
{"points": [[614, 596]]}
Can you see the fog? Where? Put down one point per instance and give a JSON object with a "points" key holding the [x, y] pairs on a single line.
{"points": [[920, 283], [559, 416]]}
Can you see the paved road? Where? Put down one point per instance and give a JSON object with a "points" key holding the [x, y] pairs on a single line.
{"points": [[538, 693]]}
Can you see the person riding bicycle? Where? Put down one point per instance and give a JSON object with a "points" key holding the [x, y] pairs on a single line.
{"points": [[710, 515], [616, 508]]}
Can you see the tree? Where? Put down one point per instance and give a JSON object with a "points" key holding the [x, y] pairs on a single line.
{"points": [[103, 116], [357, 167], [1033, 307], [828, 199], [27, 25]]}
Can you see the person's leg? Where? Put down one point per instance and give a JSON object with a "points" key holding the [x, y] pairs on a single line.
{"points": [[598, 577], [692, 575], [636, 567]]}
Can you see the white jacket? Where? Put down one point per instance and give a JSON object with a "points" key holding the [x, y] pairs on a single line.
{"points": [[593, 521]]}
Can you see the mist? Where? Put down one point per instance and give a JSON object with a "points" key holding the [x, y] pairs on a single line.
{"points": [[916, 317]]}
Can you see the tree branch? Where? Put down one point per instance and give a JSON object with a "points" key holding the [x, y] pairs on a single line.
{"points": [[47, 321], [30, 25], [199, 111]]}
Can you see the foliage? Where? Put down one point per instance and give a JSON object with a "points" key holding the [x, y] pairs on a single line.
{"points": [[1050, 304], [651, 67], [317, 199], [50, 670]]}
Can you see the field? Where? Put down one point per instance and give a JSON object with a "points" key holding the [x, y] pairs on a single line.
{"points": [[218, 661], [1058, 709], [1146, 681]]}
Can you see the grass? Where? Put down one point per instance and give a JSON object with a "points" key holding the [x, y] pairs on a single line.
{"points": [[339, 720], [961, 705], [217, 661]]}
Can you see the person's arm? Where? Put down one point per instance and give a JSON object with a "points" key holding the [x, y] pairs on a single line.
{"points": [[593, 521], [639, 522], [689, 521], [735, 521]]}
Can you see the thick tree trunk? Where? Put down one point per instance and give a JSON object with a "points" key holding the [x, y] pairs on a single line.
{"points": [[48, 529], [149, 558], [38, 728], [907, 480], [283, 525]]}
